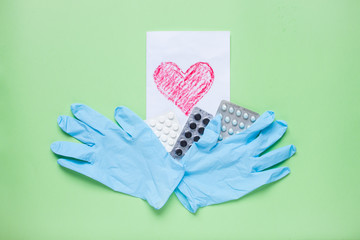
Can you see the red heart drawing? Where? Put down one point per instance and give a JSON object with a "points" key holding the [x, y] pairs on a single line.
{"points": [[184, 89]]}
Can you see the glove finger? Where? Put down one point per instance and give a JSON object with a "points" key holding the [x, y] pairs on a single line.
{"points": [[73, 150], [211, 134], [92, 118], [77, 129], [268, 137], [131, 123], [251, 133], [274, 157], [271, 175], [77, 166]]}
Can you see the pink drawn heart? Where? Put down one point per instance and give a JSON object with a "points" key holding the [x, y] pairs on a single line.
{"points": [[184, 89]]}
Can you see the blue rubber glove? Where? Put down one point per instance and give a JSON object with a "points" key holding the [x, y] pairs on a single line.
{"points": [[217, 172], [128, 158]]}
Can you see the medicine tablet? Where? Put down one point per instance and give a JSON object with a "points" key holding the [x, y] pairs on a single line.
{"points": [[168, 123], [196, 138], [220, 138], [238, 113], [234, 122], [241, 125], [223, 128], [192, 125], [197, 117], [206, 121], [227, 119], [223, 107], [171, 115], [178, 152], [231, 109], [231, 131], [246, 116], [201, 130], [166, 128], [252, 119], [188, 134], [183, 143], [161, 119]]}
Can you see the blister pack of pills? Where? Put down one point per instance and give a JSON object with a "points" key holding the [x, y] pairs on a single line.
{"points": [[234, 118], [192, 131], [166, 128]]}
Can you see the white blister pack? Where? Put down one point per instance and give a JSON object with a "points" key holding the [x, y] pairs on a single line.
{"points": [[166, 128]]}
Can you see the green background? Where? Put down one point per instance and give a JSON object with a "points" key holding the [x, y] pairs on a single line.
{"points": [[300, 59]]}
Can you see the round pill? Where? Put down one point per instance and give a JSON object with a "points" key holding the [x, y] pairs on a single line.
{"points": [[241, 125], [237, 132], [157, 134], [178, 152], [248, 126], [162, 119], [231, 109], [175, 127], [188, 134], [196, 138], [227, 119], [159, 127], [206, 121], [152, 123], [171, 142], [173, 134], [171, 115], [189, 146], [201, 130], [183, 143], [168, 123], [221, 116], [246, 116], [231, 131], [166, 131], [238, 113], [234, 122], [192, 125], [220, 138], [197, 116], [223, 107], [163, 138], [252, 118], [223, 128]]}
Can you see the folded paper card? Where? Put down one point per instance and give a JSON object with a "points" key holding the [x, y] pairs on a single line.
{"points": [[186, 69]]}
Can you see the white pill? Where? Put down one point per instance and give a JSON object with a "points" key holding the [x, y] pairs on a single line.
{"points": [[173, 134], [241, 125], [231, 109], [175, 127], [166, 131], [162, 119], [171, 115], [171, 142], [163, 138], [231, 131], [220, 138], [152, 123], [168, 123], [227, 119], [223, 128], [246, 116], [223, 107], [159, 127], [221, 116], [248, 126], [234, 122], [252, 118], [238, 113], [157, 134]]}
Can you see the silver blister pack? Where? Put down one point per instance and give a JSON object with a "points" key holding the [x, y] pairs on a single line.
{"points": [[234, 118], [192, 131]]}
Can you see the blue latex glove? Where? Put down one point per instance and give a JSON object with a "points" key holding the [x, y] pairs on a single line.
{"points": [[128, 158], [217, 172]]}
